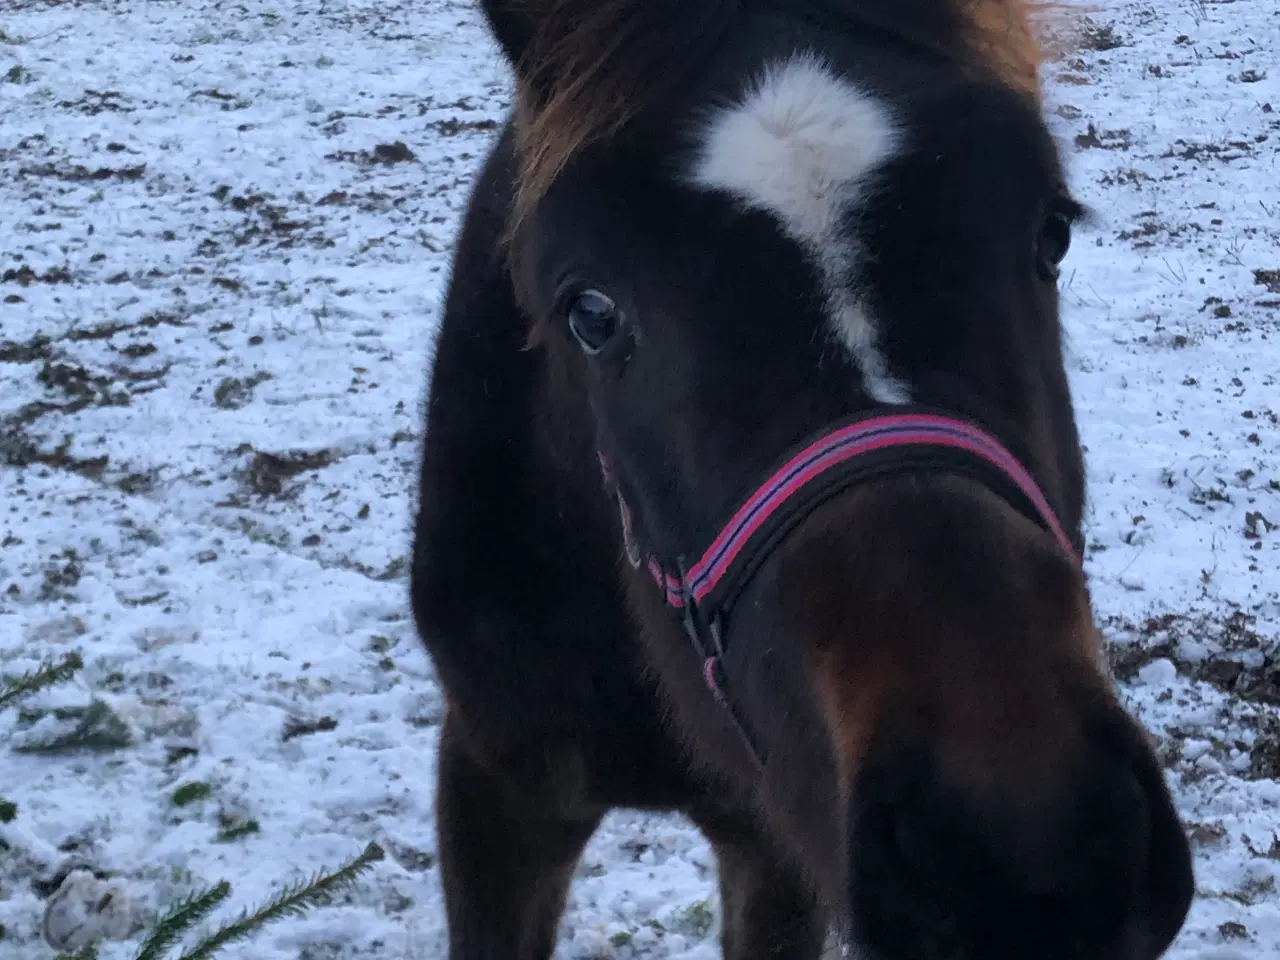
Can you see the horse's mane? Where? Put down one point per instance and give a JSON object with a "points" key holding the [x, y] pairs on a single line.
{"points": [[593, 65]]}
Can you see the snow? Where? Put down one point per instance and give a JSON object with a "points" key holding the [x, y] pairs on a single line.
{"points": [[215, 319]]}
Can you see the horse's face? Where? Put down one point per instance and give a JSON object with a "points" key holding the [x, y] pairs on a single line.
{"points": [[792, 239], [732, 280]]}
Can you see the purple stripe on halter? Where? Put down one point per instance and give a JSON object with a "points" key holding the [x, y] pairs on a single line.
{"points": [[842, 445]]}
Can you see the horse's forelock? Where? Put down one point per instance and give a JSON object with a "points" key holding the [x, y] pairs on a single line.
{"points": [[594, 65]]}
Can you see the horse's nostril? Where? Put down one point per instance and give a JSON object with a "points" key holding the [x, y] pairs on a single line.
{"points": [[901, 838]]}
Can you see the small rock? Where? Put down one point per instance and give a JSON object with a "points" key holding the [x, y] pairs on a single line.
{"points": [[85, 909]]}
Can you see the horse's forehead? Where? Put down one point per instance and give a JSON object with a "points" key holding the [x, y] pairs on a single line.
{"points": [[798, 144]]}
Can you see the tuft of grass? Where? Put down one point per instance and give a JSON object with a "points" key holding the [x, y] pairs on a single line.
{"points": [[236, 829], [267, 473], [97, 728], [698, 918], [1100, 38], [232, 393], [1098, 139], [189, 793], [1268, 278], [295, 727]]}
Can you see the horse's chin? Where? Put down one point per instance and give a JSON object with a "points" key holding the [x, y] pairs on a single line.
{"points": [[841, 947]]}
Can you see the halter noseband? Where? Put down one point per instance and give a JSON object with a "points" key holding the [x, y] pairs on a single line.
{"points": [[849, 452]]}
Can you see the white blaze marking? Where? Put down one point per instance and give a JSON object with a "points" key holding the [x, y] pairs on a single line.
{"points": [[800, 144]]}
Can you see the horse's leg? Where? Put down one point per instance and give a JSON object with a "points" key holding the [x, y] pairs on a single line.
{"points": [[506, 863], [769, 912]]}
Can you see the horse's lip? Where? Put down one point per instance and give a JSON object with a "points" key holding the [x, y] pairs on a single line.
{"points": [[848, 949]]}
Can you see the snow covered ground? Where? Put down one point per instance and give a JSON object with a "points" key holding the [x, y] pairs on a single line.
{"points": [[224, 229]]}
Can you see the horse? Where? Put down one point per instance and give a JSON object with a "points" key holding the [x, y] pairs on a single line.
{"points": [[751, 489]]}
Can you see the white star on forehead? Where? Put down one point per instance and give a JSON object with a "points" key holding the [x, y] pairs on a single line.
{"points": [[800, 144]]}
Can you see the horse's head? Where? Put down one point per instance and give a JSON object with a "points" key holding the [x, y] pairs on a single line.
{"points": [[742, 230]]}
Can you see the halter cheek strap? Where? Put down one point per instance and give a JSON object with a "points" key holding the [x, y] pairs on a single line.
{"points": [[703, 593]]}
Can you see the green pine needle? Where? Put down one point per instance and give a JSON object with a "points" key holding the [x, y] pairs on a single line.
{"points": [[88, 952], [47, 675], [180, 918], [293, 902], [97, 728]]}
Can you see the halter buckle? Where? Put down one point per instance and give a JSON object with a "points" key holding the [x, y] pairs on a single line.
{"points": [[707, 633]]}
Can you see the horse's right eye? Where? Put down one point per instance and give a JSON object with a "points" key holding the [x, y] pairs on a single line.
{"points": [[593, 320], [1054, 239]]}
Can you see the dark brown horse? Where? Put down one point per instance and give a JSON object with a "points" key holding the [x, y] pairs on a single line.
{"points": [[752, 489]]}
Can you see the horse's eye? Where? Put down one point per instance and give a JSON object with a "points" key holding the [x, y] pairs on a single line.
{"points": [[593, 320], [1053, 243]]}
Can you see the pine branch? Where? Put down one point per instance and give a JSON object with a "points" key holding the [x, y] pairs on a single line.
{"points": [[13, 689], [293, 902], [46, 675], [180, 918], [97, 728]]}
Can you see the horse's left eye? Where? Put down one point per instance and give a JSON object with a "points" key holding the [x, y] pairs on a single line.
{"points": [[1053, 243], [593, 320]]}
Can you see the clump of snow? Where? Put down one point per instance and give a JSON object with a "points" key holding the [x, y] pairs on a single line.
{"points": [[224, 233], [85, 909]]}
